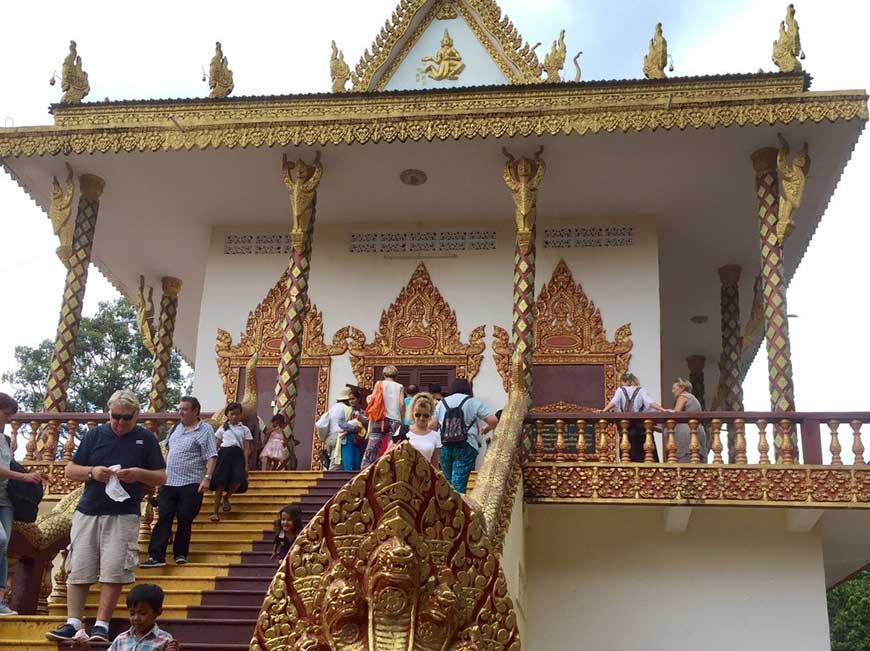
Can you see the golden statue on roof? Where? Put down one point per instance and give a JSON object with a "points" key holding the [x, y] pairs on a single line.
{"points": [[338, 70], [793, 178], [60, 213], [73, 80], [657, 58], [447, 62], [554, 60], [787, 50], [220, 77]]}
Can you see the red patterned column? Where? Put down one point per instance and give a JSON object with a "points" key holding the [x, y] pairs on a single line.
{"points": [[696, 377], [730, 377], [773, 284], [163, 345], [522, 177], [91, 187], [301, 180]]}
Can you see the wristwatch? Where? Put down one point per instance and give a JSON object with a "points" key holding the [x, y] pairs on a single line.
{"points": [[207, 477], [91, 474]]}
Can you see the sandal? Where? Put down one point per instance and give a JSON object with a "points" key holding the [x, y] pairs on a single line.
{"points": [[215, 517], [226, 506]]}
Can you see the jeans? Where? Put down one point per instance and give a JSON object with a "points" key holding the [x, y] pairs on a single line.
{"points": [[5, 535], [457, 462], [183, 502]]}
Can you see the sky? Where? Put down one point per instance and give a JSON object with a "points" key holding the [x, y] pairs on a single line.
{"points": [[159, 49]]}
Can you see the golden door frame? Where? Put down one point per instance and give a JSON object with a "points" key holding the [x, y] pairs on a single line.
{"points": [[263, 335], [418, 329], [568, 330]]}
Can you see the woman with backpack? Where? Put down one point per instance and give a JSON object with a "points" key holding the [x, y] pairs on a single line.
{"points": [[456, 418], [629, 398]]}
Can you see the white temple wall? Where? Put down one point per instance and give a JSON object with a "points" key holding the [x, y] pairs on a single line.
{"points": [[354, 288], [613, 578]]}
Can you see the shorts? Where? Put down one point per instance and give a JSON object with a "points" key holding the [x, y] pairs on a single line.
{"points": [[103, 548]]}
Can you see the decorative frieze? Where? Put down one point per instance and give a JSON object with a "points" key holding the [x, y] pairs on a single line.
{"points": [[588, 236], [423, 242]]}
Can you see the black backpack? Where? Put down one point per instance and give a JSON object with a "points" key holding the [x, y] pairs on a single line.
{"points": [[454, 430], [25, 497]]}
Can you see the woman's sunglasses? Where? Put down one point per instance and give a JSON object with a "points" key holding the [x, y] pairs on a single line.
{"points": [[422, 415]]}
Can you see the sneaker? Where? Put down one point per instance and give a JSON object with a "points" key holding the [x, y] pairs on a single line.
{"points": [[5, 609], [180, 560], [151, 562], [64, 633], [99, 634]]}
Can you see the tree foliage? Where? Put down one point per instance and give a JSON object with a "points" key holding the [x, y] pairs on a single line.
{"points": [[849, 614], [109, 356]]}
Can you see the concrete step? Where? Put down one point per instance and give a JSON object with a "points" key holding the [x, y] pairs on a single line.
{"points": [[249, 613], [222, 598], [205, 544], [254, 569]]}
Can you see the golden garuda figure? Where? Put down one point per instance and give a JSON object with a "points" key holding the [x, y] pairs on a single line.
{"points": [[522, 177], [73, 80], [787, 50], [145, 317], [554, 60], [60, 213], [793, 179], [303, 195], [657, 58], [220, 77], [447, 62], [338, 70]]}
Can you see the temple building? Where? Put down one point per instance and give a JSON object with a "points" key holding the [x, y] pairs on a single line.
{"points": [[463, 204]]}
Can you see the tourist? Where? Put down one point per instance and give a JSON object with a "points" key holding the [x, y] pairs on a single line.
{"points": [[189, 469], [231, 471], [356, 433], [630, 398], [436, 392], [8, 408], [460, 412], [344, 453], [385, 408], [423, 439], [272, 454], [286, 529], [113, 460], [686, 402], [407, 417]]}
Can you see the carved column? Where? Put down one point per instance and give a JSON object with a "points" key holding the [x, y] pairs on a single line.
{"points": [[730, 379], [163, 345], [696, 377], [301, 180], [522, 177], [91, 187]]}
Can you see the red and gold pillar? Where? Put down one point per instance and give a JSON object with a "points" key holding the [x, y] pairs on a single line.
{"points": [[730, 378], [163, 345], [522, 177], [301, 180], [91, 187], [696, 377]]}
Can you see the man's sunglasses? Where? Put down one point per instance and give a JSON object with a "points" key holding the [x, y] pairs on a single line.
{"points": [[125, 417], [422, 415]]}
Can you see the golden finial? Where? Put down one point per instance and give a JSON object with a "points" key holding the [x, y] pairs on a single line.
{"points": [[446, 63], [338, 69], [60, 213], [73, 80], [657, 58], [787, 48], [220, 77], [554, 60], [792, 178], [577, 71]]}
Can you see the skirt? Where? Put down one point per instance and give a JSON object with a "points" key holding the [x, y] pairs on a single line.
{"points": [[274, 449], [230, 470]]}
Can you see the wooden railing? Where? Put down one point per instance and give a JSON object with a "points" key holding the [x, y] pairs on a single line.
{"points": [[784, 458]]}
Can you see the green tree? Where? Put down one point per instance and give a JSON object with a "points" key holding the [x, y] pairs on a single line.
{"points": [[849, 614], [109, 356]]}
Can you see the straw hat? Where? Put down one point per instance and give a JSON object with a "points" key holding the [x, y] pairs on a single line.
{"points": [[344, 394]]}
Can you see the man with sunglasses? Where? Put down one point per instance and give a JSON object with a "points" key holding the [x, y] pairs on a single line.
{"points": [[104, 538]]}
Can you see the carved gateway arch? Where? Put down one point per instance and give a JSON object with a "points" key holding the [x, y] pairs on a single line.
{"points": [[418, 329]]}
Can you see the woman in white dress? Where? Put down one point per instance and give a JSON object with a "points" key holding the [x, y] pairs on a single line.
{"points": [[427, 442]]}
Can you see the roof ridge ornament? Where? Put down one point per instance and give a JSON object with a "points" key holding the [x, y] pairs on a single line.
{"points": [[793, 179], [787, 48], [554, 60], [74, 80], [446, 10], [220, 77], [657, 58], [338, 70], [578, 74]]}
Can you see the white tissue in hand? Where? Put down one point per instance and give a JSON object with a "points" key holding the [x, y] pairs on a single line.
{"points": [[114, 488]]}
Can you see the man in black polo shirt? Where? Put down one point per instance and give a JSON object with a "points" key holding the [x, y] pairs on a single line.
{"points": [[104, 539]]}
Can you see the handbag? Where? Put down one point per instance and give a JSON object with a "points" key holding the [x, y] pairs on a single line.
{"points": [[24, 496]]}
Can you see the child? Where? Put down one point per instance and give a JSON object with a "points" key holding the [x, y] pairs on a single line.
{"points": [[288, 527], [231, 472], [145, 602], [272, 454]]}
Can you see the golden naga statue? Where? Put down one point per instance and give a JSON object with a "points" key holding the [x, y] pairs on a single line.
{"points": [[303, 195], [395, 561], [554, 60], [787, 48], [793, 179], [447, 62], [522, 177], [60, 213], [657, 58], [339, 70], [145, 317], [73, 80], [220, 77]]}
